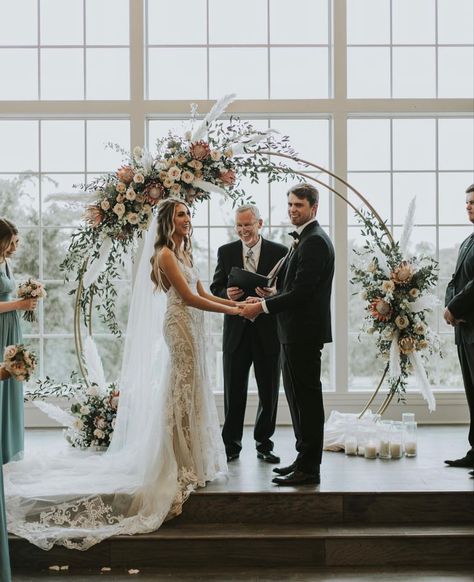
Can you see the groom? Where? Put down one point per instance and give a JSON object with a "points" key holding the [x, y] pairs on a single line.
{"points": [[302, 304]]}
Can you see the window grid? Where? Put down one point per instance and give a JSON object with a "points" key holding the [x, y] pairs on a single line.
{"points": [[138, 109]]}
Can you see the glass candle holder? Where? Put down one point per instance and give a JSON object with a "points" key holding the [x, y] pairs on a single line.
{"points": [[385, 431], [396, 440], [410, 439], [350, 443]]}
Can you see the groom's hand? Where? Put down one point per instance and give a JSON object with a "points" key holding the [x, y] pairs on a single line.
{"points": [[251, 310]]}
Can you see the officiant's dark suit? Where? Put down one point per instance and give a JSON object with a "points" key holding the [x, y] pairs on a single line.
{"points": [[459, 303], [302, 306], [246, 343]]}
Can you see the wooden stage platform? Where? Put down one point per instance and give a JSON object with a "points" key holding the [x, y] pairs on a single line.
{"points": [[411, 512]]}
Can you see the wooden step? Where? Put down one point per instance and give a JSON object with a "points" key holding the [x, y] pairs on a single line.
{"points": [[314, 507], [264, 545]]}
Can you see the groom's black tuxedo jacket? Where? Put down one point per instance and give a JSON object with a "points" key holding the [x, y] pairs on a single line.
{"points": [[460, 292], [231, 255], [304, 286]]}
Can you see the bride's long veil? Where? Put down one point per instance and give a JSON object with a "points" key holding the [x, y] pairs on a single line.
{"points": [[79, 498]]}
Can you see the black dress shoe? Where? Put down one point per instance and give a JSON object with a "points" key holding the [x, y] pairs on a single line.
{"points": [[268, 457], [471, 473], [285, 470], [232, 456], [297, 478], [467, 461]]}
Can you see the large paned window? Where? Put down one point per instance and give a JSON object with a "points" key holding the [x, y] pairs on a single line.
{"points": [[40, 160], [381, 92]]}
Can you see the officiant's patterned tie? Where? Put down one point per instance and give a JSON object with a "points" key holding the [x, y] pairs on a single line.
{"points": [[250, 261]]}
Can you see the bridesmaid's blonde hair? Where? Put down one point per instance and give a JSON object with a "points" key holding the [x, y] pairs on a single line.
{"points": [[164, 237], [7, 231]]}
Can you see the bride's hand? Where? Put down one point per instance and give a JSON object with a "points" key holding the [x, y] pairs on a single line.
{"points": [[235, 310], [252, 300]]}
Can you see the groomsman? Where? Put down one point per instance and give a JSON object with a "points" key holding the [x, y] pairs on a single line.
{"points": [[459, 313], [302, 304], [245, 342]]}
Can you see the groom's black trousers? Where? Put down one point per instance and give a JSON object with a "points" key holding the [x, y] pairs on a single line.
{"points": [[237, 366], [301, 367]]}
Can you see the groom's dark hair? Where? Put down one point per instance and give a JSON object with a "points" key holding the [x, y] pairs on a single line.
{"points": [[470, 189], [307, 191]]}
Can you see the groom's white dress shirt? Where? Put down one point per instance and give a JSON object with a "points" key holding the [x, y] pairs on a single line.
{"points": [[299, 230]]}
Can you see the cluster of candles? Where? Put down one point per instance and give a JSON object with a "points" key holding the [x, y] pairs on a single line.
{"points": [[386, 439]]}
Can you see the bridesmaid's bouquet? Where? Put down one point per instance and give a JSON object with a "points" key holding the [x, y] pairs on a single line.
{"points": [[28, 290], [18, 362]]}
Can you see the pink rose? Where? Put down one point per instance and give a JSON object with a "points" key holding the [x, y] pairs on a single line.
{"points": [[10, 352], [228, 177]]}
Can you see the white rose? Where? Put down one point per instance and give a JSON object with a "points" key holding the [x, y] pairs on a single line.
{"points": [[187, 177], [121, 187], [78, 424], [174, 173], [216, 155], [371, 330], [99, 434], [388, 286], [188, 135], [132, 218], [85, 410], [105, 205], [387, 333], [139, 178], [130, 194], [168, 182], [363, 295], [401, 321], [92, 391], [119, 209]]}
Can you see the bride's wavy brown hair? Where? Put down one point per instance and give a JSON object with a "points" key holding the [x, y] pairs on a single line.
{"points": [[7, 231], [164, 237]]}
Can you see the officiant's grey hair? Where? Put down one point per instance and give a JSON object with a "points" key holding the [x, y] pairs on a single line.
{"points": [[253, 209]]}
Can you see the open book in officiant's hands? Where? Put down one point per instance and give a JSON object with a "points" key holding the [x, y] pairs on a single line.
{"points": [[247, 280]]}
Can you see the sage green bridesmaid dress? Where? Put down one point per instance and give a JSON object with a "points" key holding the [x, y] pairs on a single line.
{"points": [[11, 391]]}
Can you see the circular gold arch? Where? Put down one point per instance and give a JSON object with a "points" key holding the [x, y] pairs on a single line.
{"points": [[78, 340]]}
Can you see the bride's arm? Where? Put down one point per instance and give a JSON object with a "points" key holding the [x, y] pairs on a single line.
{"points": [[203, 293], [168, 263]]}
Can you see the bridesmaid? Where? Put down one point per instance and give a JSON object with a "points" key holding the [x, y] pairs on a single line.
{"points": [[5, 575], [11, 391]]}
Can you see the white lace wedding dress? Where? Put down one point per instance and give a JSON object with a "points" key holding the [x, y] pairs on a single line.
{"points": [[166, 442]]}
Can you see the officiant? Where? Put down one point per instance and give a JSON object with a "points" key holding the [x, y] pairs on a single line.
{"points": [[246, 342]]}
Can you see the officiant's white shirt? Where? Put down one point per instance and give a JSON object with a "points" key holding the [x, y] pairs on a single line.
{"points": [[299, 230]]}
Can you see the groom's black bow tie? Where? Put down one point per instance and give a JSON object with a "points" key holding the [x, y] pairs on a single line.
{"points": [[294, 234]]}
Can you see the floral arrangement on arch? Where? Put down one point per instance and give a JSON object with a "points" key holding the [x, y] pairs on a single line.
{"points": [[211, 158], [398, 295], [94, 417], [92, 406]]}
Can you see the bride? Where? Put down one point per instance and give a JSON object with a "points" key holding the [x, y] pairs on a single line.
{"points": [[166, 441]]}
